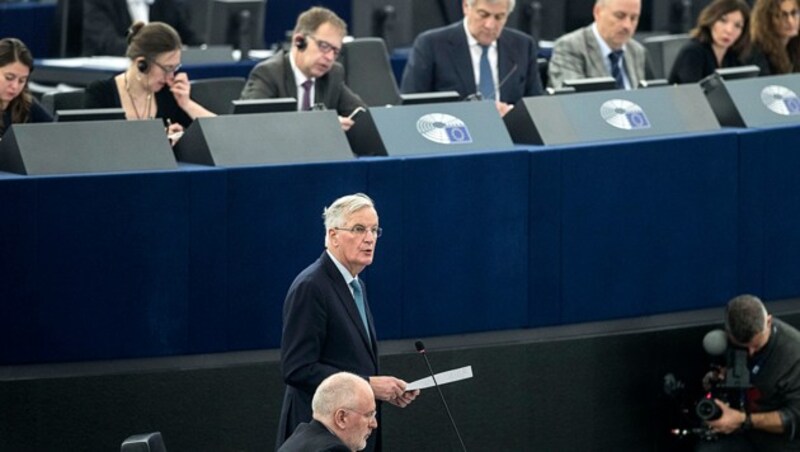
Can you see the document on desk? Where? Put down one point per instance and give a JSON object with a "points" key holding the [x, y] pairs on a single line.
{"points": [[442, 378]]}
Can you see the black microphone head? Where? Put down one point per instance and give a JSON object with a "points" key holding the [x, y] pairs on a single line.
{"points": [[420, 346], [715, 342]]}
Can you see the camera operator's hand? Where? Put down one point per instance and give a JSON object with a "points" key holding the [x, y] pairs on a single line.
{"points": [[713, 377], [730, 421]]}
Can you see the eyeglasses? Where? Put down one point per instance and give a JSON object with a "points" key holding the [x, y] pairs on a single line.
{"points": [[326, 47], [787, 15], [168, 69], [368, 415], [360, 230]]}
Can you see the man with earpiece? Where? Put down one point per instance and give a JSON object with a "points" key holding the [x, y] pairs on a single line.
{"points": [[309, 71]]}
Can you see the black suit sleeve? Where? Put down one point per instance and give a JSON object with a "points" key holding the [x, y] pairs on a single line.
{"points": [[533, 83], [305, 330], [101, 28], [418, 73]]}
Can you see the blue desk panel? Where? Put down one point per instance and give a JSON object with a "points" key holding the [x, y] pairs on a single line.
{"points": [[104, 265], [648, 226], [199, 259], [769, 216]]}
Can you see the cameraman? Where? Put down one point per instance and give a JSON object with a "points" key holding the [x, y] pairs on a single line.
{"points": [[770, 420]]}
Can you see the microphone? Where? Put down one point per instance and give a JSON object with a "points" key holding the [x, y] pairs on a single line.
{"points": [[421, 349], [715, 342], [479, 96]]}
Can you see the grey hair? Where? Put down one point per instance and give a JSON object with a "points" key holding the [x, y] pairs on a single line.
{"points": [[336, 214], [335, 392], [511, 3], [745, 317]]}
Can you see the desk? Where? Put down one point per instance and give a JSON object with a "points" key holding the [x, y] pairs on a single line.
{"points": [[53, 72], [199, 259], [30, 22]]}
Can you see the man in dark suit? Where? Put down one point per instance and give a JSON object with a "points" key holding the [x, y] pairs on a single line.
{"points": [[309, 68], [106, 22], [344, 417], [476, 56], [327, 322]]}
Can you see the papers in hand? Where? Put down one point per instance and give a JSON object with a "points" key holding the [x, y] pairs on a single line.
{"points": [[442, 378]]}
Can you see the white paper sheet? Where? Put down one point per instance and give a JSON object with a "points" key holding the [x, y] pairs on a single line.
{"points": [[442, 378]]}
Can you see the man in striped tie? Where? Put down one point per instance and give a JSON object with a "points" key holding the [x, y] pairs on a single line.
{"points": [[327, 322]]}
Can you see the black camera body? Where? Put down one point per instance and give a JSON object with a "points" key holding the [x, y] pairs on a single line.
{"points": [[730, 390]]}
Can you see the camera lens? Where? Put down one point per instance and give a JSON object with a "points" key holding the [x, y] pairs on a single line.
{"points": [[708, 410]]}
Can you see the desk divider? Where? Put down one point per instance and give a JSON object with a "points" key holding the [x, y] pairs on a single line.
{"points": [[264, 138], [438, 128], [86, 147], [610, 115]]}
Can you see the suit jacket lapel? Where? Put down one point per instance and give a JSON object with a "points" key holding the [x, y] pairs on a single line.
{"points": [[598, 66], [346, 300], [506, 59], [458, 50], [288, 77]]}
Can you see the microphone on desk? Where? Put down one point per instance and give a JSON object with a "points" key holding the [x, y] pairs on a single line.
{"points": [[421, 349], [478, 96]]}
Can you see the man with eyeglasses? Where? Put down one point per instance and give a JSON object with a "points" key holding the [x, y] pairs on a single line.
{"points": [[327, 322], [344, 417], [309, 71], [476, 57], [106, 22], [769, 421]]}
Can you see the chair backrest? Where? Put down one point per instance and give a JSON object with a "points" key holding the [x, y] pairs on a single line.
{"points": [[662, 51], [144, 442], [368, 71], [216, 94], [63, 100]]}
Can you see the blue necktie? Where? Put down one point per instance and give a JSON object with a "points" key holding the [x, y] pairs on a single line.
{"points": [[359, 298], [616, 71], [486, 83]]}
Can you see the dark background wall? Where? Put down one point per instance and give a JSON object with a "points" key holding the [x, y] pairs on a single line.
{"points": [[592, 387]]}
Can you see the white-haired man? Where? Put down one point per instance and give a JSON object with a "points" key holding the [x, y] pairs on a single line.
{"points": [[474, 56], [344, 416], [327, 322]]}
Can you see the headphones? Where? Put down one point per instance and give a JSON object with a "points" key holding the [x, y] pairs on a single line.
{"points": [[301, 43], [142, 65]]}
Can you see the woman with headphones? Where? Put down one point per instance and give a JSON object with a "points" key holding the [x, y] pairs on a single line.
{"points": [[151, 87], [16, 102]]}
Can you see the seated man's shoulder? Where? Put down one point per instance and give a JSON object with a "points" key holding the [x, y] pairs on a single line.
{"points": [[571, 37]]}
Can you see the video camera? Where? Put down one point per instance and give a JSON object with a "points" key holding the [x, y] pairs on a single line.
{"points": [[731, 388], [727, 382]]}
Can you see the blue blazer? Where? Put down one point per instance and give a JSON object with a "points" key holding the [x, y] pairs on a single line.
{"points": [[440, 61], [322, 334]]}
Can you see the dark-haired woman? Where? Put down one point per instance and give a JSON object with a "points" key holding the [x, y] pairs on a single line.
{"points": [[151, 86], [720, 39], [16, 102], [774, 33]]}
